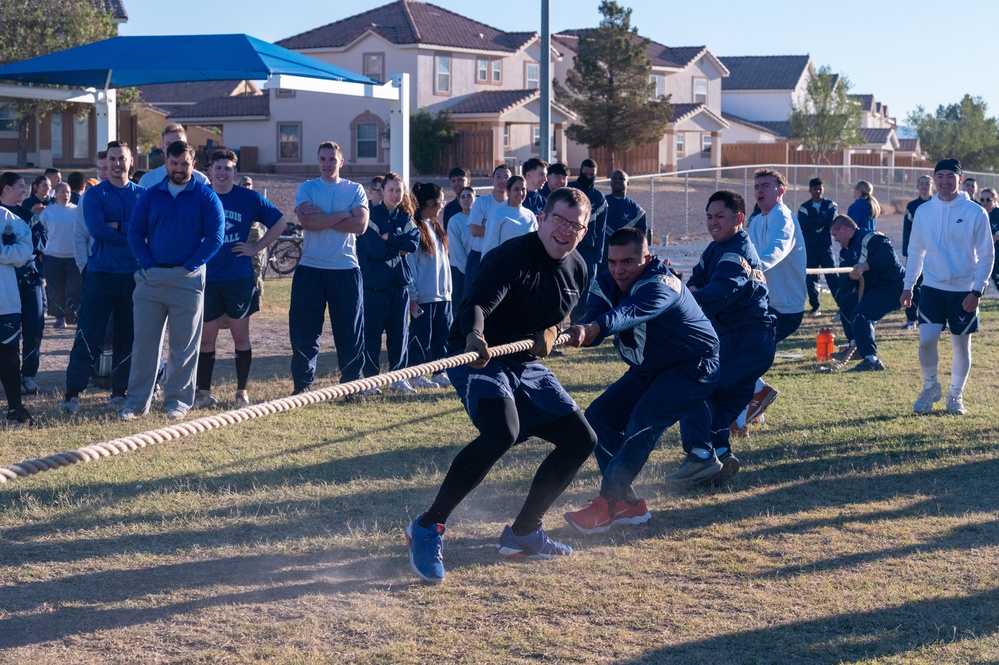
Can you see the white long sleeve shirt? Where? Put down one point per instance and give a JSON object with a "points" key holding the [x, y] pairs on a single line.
{"points": [[951, 245], [781, 247]]}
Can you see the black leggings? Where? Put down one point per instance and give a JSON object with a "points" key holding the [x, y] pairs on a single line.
{"points": [[499, 425], [10, 374]]}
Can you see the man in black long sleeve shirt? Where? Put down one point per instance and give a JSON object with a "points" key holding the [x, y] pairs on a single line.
{"points": [[523, 290], [925, 186]]}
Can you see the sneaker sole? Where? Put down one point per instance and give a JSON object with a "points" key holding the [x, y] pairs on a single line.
{"points": [[512, 553], [412, 560]]}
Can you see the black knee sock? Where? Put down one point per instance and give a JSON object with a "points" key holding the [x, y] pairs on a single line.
{"points": [[10, 374], [206, 366], [243, 360]]}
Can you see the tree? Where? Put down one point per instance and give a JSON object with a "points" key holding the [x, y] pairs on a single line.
{"points": [[30, 28], [431, 136], [609, 89], [827, 119], [960, 130]]}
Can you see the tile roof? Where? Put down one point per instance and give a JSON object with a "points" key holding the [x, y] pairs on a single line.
{"points": [[764, 72], [661, 56], [866, 101], [192, 92], [116, 7], [411, 22], [226, 107], [875, 135], [492, 101], [909, 145], [761, 126]]}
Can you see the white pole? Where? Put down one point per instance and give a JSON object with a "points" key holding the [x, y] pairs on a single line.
{"points": [[399, 127]]}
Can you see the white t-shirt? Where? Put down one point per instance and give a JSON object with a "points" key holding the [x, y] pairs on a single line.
{"points": [[156, 176], [330, 249], [60, 222], [507, 222], [479, 216]]}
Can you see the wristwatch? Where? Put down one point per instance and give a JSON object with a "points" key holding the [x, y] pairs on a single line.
{"points": [[977, 294]]}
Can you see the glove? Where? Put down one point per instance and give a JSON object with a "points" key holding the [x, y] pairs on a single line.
{"points": [[475, 342], [544, 341], [8, 235]]}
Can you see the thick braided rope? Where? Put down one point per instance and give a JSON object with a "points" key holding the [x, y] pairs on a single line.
{"points": [[191, 427]]}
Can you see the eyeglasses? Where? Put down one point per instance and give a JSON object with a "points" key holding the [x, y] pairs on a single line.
{"points": [[986, 199], [562, 223]]}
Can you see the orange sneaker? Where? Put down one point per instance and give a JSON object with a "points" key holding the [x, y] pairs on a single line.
{"points": [[598, 518]]}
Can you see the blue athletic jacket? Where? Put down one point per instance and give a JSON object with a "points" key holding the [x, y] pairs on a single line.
{"points": [[382, 264], [107, 211], [183, 231], [875, 250], [731, 286], [657, 323], [815, 224]]}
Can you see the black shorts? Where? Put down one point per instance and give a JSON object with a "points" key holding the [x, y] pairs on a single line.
{"points": [[236, 298], [944, 307]]}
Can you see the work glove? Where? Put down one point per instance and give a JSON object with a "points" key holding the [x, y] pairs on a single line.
{"points": [[475, 342], [544, 341]]}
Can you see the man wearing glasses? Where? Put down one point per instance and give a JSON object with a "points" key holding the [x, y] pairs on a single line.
{"points": [[524, 289]]}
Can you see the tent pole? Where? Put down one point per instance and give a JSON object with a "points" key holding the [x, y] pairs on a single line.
{"points": [[399, 127]]}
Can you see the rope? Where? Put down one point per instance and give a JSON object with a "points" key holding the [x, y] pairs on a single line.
{"points": [[190, 428]]}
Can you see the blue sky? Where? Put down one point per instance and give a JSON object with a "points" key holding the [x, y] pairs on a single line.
{"points": [[905, 53]]}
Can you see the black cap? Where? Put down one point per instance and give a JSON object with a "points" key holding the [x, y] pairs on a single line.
{"points": [[949, 164]]}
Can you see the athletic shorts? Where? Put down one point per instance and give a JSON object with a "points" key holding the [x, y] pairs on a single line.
{"points": [[944, 307], [10, 329], [236, 298], [539, 397]]}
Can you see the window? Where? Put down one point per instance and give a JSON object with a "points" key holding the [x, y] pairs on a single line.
{"points": [[536, 136], [700, 91], [533, 75], [506, 136], [497, 71], [679, 144], [57, 135], [442, 75], [706, 143], [81, 137], [289, 141], [482, 70], [489, 70], [284, 92], [8, 119], [374, 66], [659, 85], [367, 140]]}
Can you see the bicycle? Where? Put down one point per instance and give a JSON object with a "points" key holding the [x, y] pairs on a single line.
{"points": [[283, 256]]}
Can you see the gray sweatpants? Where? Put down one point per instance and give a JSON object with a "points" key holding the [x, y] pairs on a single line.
{"points": [[162, 295]]}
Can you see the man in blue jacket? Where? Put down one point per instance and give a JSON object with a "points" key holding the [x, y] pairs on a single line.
{"points": [[108, 283], [815, 217], [729, 285], [176, 227], [672, 356], [873, 258]]}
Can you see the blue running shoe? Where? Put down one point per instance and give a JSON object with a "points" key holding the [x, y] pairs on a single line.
{"points": [[535, 545], [426, 550]]}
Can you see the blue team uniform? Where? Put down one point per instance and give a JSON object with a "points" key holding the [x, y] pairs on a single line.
{"points": [[591, 247], [732, 291], [622, 211], [535, 201], [386, 276], [672, 356], [882, 288], [815, 222]]}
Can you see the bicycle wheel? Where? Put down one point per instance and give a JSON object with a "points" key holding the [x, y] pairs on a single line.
{"points": [[285, 255]]}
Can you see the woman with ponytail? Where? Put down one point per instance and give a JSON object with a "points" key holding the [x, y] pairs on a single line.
{"points": [[866, 209], [430, 294]]}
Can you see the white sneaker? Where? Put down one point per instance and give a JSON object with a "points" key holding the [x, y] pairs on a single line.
{"points": [[373, 390], [403, 387], [128, 415], [955, 405], [924, 403], [176, 414], [70, 406], [424, 382], [241, 401], [440, 378], [205, 402]]}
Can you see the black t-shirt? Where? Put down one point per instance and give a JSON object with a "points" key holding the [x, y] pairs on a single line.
{"points": [[520, 290]]}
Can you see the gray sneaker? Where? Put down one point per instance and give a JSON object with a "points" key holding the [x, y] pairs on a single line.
{"points": [[695, 470], [28, 385], [955, 405], [403, 387], [128, 415], [423, 382], [116, 402], [440, 378], [241, 402], [924, 403], [176, 414], [205, 402], [70, 406]]}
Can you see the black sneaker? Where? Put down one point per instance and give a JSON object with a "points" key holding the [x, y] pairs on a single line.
{"points": [[730, 467], [694, 470], [18, 416], [866, 365]]}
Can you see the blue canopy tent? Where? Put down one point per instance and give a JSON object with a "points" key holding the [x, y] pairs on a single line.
{"points": [[129, 61]]}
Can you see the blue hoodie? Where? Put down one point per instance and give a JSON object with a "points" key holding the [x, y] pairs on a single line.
{"points": [[106, 211], [657, 322]]}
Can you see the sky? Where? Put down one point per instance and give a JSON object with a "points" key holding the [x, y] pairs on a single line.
{"points": [[893, 49]]}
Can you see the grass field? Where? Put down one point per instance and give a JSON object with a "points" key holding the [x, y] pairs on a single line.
{"points": [[856, 533]]}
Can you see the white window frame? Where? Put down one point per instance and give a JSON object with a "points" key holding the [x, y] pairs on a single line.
{"points": [[680, 143], [280, 140], [698, 82], [659, 81], [372, 140], [442, 78]]}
